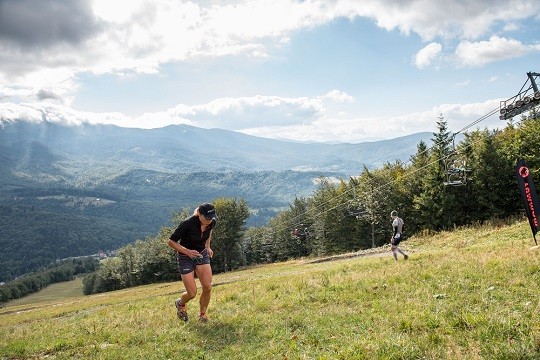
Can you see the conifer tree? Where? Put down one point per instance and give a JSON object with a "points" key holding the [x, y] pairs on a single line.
{"points": [[332, 228], [374, 193], [227, 235], [413, 183], [435, 205]]}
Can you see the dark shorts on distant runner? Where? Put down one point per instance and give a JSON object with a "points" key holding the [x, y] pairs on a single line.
{"points": [[396, 239], [187, 264]]}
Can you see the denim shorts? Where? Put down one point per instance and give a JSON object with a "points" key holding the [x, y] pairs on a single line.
{"points": [[187, 264]]}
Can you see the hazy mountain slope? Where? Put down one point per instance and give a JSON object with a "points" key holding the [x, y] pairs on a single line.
{"points": [[183, 148]]}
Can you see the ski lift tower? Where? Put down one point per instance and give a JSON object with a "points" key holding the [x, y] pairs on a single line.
{"points": [[526, 99]]}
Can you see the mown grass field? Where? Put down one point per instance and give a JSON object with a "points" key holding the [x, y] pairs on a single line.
{"points": [[469, 294], [52, 292]]}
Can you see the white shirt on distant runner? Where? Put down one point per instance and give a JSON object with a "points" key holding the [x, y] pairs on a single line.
{"points": [[397, 224]]}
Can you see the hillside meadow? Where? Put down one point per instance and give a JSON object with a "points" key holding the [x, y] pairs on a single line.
{"points": [[473, 293]]}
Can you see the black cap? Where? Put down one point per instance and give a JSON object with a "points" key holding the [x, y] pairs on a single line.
{"points": [[208, 211]]}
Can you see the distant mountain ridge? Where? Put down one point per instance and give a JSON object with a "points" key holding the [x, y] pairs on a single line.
{"points": [[184, 148]]}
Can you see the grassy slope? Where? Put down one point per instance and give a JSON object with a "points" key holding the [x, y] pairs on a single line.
{"points": [[53, 292], [470, 294]]}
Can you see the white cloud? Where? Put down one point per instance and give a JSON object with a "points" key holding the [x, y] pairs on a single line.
{"points": [[226, 113], [338, 96], [495, 49], [56, 113], [15, 112], [510, 27], [446, 19], [118, 11], [238, 113], [425, 56], [328, 129], [36, 93], [9, 92]]}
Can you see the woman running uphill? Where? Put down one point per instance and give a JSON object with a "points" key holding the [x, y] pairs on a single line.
{"points": [[191, 240]]}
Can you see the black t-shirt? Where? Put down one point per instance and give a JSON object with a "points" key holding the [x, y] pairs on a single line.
{"points": [[189, 234]]}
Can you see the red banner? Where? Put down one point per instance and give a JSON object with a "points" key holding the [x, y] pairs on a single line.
{"points": [[529, 196]]}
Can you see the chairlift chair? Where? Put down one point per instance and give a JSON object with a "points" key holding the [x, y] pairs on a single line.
{"points": [[356, 210], [301, 231], [456, 171]]}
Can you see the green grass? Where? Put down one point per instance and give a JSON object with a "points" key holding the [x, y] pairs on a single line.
{"points": [[52, 292], [469, 294]]}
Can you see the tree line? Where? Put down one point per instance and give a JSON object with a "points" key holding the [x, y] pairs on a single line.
{"points": [[354, 214], [65, 270]]}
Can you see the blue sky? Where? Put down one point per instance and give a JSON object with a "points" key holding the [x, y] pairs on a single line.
{"points": [[347, 71]]}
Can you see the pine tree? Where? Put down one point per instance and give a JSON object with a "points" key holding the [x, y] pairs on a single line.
{"points": [[435, 205], [329, 224], [227, 235], [413, 184], [374, 193]]}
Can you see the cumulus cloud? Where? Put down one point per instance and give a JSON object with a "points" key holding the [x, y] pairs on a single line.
{"points": [[354, 130], [446, 19], [226, 113], [52, 112], [510, 27], [338, 96], [239, 113], [41, 24], [495, 49], [425, 56], [48, 94]]}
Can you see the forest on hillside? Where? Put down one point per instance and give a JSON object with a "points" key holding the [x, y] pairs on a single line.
{"points": [[443, 186]]}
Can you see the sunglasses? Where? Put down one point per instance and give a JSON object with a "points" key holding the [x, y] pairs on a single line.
{"points": [[198, 260]]}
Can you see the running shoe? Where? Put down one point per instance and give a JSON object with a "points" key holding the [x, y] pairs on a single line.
{"points": [[181, 310], [203, 317]]}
